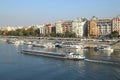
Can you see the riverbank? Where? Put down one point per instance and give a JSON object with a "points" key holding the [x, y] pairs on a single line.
{"points": [[89, 43], [95, 43]]}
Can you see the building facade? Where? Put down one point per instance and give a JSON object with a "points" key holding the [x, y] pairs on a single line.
{"points": [[93, 28], [104, 27], [58, 26], [48, 29], [41, 28], [116, 24], [79, 27], [67, 26]]}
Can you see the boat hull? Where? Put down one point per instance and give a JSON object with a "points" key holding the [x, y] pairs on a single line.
{"points": [[48, 54]]}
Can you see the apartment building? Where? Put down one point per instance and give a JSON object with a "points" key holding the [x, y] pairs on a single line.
{"points": [[41, 28], [79, 27], [67, 26], [116, 24], [104, 27], [93, 27], [58, 26], [48, 29]]}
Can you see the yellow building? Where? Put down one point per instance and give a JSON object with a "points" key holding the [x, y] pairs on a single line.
{"points": [[93, 28], [58, 26]]}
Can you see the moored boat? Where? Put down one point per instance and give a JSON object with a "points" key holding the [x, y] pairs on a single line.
{"points": [[44, 45], [104, 48], [72, 45]]}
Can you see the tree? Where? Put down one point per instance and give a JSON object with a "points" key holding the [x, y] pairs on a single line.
{"points": [[59, 34], [5, 32], [53, 34], [69, 34], [114, 34], [37, 32]]}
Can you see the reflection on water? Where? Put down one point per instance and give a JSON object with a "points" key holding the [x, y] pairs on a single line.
{"points": [[102, 56], [104, 53]]}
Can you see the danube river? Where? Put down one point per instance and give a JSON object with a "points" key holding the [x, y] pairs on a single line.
{"points": [[96, 66]]}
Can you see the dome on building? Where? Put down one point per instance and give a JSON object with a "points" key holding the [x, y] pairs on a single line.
{"points": [[94, 18]]}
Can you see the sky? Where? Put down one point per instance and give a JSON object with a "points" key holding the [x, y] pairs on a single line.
{"points": [[36, 12]]}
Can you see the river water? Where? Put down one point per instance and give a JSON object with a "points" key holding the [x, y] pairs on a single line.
{"points": [[96, 66]]}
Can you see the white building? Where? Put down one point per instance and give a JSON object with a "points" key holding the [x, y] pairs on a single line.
{"points": [[58, 26], [104, 27], [41, 28], [79, 26]]}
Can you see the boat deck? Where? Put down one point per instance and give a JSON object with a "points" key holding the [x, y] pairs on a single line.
{"points": [[48, 54]]}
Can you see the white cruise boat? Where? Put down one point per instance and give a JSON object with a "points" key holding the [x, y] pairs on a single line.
{"points": [[44, 45], [105, 48]]}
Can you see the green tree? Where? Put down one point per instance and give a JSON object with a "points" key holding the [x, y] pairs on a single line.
{"points": [[5, 32], [69, 34], [114, 34], [59, 34], [53, 34], [37, 32]]}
